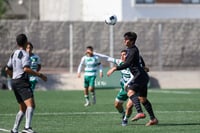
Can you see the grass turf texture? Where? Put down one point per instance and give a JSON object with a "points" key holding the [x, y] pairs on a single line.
{"points": [[63, 112]]}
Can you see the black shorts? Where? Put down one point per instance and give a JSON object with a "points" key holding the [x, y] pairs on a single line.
{"points": [[22, 90], [140, 86]]}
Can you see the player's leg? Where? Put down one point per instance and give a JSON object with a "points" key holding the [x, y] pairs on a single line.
{"points": [[120, 99], [30, 104], [129, 106], [86, 91], [133, 88], [19, 117], [21, 112], [147, 105], [92, 88]]}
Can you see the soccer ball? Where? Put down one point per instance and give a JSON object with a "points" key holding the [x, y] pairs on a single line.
{"points": [[111, 20]]}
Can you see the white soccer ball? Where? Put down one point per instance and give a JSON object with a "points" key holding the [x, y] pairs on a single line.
{"points": [[111, 20]]}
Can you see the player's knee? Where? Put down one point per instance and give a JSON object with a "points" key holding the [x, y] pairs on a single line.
{"points": [[142, 99]]}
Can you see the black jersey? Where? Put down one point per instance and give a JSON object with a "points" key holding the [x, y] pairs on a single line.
{"points": [[133, 63]]}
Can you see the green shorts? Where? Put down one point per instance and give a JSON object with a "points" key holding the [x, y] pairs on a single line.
{"points": [[122, 95], [33, 84], [89, 81]]}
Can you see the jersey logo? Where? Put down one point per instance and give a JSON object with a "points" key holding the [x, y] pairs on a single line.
{"points": [[20, 55]]}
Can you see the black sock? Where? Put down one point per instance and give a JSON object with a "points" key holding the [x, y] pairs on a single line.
{"points": [[149, 109], [135, 100]]}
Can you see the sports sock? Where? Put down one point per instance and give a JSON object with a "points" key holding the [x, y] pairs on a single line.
{"points": [[149, 109], [87, 99], [135, 100], [29, 115], [18, 120], [93, 97], [126, 117]]}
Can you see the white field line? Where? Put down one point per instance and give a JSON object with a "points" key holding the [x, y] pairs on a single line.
{"points": [[95, 113], [5, 130], [170, 92]]}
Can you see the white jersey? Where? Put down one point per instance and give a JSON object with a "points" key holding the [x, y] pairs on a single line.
{"points": [[18, 60], [127, 77], [92, 65]]}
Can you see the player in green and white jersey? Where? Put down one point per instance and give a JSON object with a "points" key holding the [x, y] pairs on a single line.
{"points": [[92, 65], [35, 65], [126, 78]]}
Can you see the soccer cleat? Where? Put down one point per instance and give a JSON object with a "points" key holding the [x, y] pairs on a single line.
{"points": [[13, 131], [124, 122], [28, 130], [87, 104], [152, 122], [138, 116]]}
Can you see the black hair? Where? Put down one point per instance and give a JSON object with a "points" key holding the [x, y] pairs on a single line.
{"points": [[124, 51], [29, 43], [21, 40], [90, 47], [132, 36]]}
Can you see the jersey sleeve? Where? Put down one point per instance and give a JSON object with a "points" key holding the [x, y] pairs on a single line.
{"points": [[39, 60], [105, 57], [81, 64]]}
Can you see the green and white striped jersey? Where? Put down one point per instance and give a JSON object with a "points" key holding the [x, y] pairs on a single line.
{"points": [[92, 65], [35, 61]]}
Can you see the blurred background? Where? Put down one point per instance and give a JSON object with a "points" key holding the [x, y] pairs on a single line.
{"points": [[168, 37]]}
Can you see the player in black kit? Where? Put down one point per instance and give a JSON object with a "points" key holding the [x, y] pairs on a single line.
{"points": [[137, 90]]}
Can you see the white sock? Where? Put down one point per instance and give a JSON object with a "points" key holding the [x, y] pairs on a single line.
{"points": [[18, 120], [29, 115]]}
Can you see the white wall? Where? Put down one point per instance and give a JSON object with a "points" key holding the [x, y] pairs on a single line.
{"points": [[98, 10], [79, 10], [126, 10]]}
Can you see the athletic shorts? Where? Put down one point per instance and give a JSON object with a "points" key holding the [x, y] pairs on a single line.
{"points": [[89, 81], [140, 86], [22, 90], [122, 95], [33, 84]]}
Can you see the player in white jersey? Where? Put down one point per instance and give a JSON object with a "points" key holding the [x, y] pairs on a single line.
{"points": [[92, 65], [126, 78], [18, 67], [35, 64]]}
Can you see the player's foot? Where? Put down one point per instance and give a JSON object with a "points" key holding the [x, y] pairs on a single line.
{"points": [[28, 130], [152, 122], [87, 104], [13, 131], [138, 116], [124, 122]]}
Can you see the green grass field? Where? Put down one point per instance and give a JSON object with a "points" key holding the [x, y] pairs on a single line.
{"points": [[178, 111]]}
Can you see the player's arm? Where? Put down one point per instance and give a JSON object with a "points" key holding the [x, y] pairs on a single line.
{"points": [[9, 68], [105, 57], [31, 72], [80, 67]]}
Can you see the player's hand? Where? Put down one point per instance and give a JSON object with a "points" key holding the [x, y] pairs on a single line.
{"points": [[43, 77], [111, 71], [78, 75]]}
